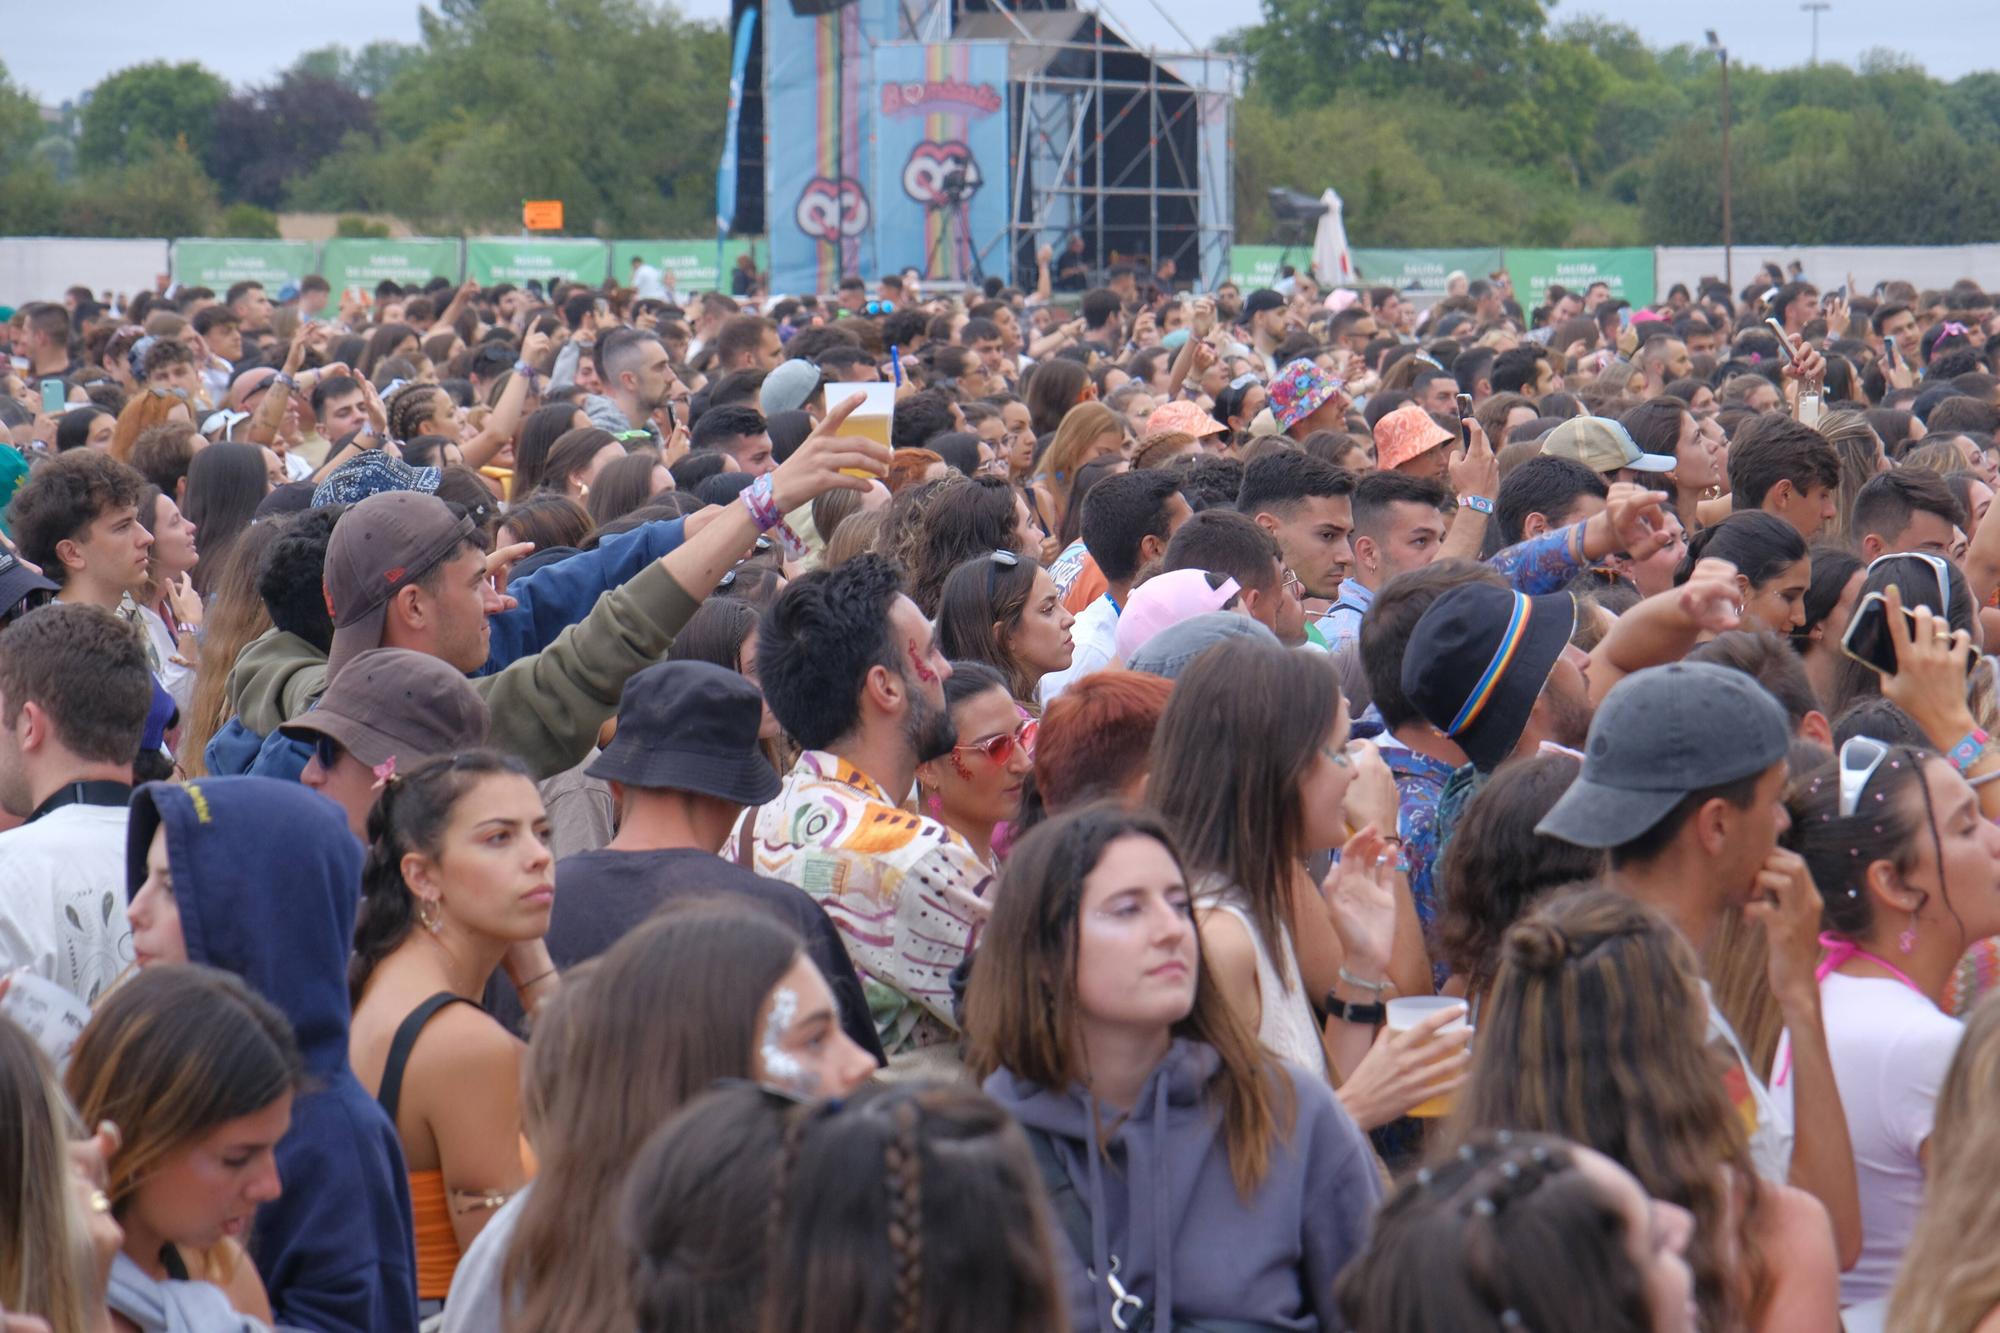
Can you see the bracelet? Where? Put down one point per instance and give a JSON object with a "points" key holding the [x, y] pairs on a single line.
{"points": [[183, 627], [535, 981], [1478, 504], [1966, 753], [285, 378], [524, 368], [1370, 1015], [764, 512], [1373, 987]]}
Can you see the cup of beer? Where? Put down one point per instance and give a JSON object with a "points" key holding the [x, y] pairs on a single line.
{"points": [[1406, 1011], [873, 420]]}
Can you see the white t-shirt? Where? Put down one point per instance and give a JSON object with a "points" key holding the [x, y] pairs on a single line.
{"points": [[1767, 1119], [1093, 647], [1891, 1047], [62, 898], [647, 282]]}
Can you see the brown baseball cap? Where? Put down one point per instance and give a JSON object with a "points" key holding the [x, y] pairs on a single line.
{"points": [[386, 542], [393, 703]]}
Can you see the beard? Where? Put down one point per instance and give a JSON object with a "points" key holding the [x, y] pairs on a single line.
{"points": [[1569, 717], [928, 726]]}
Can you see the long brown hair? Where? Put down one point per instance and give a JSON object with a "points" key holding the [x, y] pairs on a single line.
{"points": [[913, 1208], [1235, 804], [1948, 1282], [45, 1257], [1594, 1031], [980, 604], [1023, 1013], [170, 1055], [1081, 427], [671, 1008], [236, 615]]}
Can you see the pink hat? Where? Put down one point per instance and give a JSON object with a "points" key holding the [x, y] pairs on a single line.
{"points": [[1165, 600], [1405, 433], [1183, 416]]}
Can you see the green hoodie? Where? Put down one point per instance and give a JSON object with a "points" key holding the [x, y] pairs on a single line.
{"points": [[546, 708]]}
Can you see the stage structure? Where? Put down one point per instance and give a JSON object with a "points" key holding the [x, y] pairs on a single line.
{"points": [[957, 136]]}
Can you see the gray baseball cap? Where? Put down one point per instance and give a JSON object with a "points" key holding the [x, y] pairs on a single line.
{"points": [[1170, 652], [1659, 736]]}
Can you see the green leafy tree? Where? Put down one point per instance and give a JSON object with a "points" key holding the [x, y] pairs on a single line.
{"points": [[163, 193], [1305, 50], [147, 105], [248, 222]]}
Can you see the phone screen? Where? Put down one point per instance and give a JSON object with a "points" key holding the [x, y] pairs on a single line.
{"points": [[1868, 640]]}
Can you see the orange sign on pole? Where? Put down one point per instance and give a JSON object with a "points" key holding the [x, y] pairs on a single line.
{"points": [[542, 215]]}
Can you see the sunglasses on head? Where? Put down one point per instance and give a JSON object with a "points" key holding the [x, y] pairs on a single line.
{"points": [[1939, 566], [1000, 748], [995, 562]]}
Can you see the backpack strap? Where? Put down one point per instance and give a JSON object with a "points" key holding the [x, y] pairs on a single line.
{"points": [[401, 1045]]}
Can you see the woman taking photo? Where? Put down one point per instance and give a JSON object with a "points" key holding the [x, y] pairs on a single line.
{"points": [[1593, 1030], [1773, 567], [1469, 1244], [1909, 872], [1192, 1175], [458, 883], [198, 1074], [1003, 610], [701, 992], [976, 786], [1831, 597]]}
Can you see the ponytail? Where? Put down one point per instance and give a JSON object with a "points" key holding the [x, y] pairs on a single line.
{"points": [[409, 816]]}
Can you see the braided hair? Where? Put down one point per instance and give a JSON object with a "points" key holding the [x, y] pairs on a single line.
{"points": [[410, 815], [409, 408], [1471, 1240], [912, 1208]]}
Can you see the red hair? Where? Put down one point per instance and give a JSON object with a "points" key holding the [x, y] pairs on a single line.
{"points": [[1097, 736]]}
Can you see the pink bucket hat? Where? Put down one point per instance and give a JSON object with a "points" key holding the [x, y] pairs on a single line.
{"points": [[1404, 433], [1186, 417], [1166, 600], [1299, 391]]}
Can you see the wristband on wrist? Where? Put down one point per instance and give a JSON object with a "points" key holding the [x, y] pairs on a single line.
{"points": [[764, 512], [1368, 1015], [1478, 504], [285, 378], [1966, 753], [1373, 987], [525, 368]]}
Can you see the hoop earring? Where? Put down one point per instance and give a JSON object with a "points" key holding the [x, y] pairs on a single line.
{"points": [[431, 916]]}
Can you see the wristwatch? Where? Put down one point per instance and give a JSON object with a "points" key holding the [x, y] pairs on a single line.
{"points": [[1369, 1015]]}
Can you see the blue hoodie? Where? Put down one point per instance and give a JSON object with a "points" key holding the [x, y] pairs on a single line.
{"points": [[1164, 1212], [267, 880]]}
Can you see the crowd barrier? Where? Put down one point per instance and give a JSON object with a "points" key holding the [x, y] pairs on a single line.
{"points": [[41, 267]]}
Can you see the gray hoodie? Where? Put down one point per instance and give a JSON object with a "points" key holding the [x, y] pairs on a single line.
{"points": [[1270, 1260], [167, 1306]]}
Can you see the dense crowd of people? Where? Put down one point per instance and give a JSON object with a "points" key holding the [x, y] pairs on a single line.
{"points": [[1269, 810]]}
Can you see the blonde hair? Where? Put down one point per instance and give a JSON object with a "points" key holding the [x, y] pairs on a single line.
{"points": [[1081, 427], [45, 1253], [147, 408], [1948, 1282]]}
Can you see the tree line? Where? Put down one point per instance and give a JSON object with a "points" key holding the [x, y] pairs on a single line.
{"points": [[1441, 122]]}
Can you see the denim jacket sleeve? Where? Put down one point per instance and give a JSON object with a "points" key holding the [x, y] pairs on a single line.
{"points": [[557, 596]]}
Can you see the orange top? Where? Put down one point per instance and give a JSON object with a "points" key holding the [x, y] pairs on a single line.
{"points": [[437, 1244]]}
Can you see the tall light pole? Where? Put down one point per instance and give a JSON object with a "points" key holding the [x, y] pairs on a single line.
{"points": [[1815, 8], [1728, 252]]}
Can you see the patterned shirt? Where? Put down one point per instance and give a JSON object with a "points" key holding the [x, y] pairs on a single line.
{"points": [[906, 893], [1543, 564], [1420, 781]]}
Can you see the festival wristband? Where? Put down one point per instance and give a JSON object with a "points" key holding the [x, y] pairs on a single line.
{"points": [[1478, 504], [764, 512], [1966, 753]]}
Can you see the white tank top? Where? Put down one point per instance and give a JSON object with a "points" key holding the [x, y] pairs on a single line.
{"points": [[1285, 1022]]}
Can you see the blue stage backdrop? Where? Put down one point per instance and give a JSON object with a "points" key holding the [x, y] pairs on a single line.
{"points": [[940, 118]]}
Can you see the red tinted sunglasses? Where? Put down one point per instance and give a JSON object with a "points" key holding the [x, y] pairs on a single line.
{"points": [[1000, 748]]}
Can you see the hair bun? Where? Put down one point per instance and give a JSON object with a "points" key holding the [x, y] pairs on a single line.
{"points": [[1535, 944]]}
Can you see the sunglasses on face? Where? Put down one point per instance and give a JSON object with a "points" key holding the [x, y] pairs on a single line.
{"points": [[1000, 748], [328, 751]]}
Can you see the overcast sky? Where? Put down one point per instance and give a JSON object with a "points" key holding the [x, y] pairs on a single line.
{"points": [[57, 52]]}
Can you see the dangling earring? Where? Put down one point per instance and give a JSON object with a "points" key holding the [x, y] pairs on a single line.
{"points": [[935, 804], [1908, 939], [432, 916]]}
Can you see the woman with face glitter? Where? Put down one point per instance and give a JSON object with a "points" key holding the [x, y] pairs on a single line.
{"points": [[706, 991]]}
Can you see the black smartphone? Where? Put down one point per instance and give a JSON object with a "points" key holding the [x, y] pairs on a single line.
{"points": [[1464, 415], [1869, 642]]}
